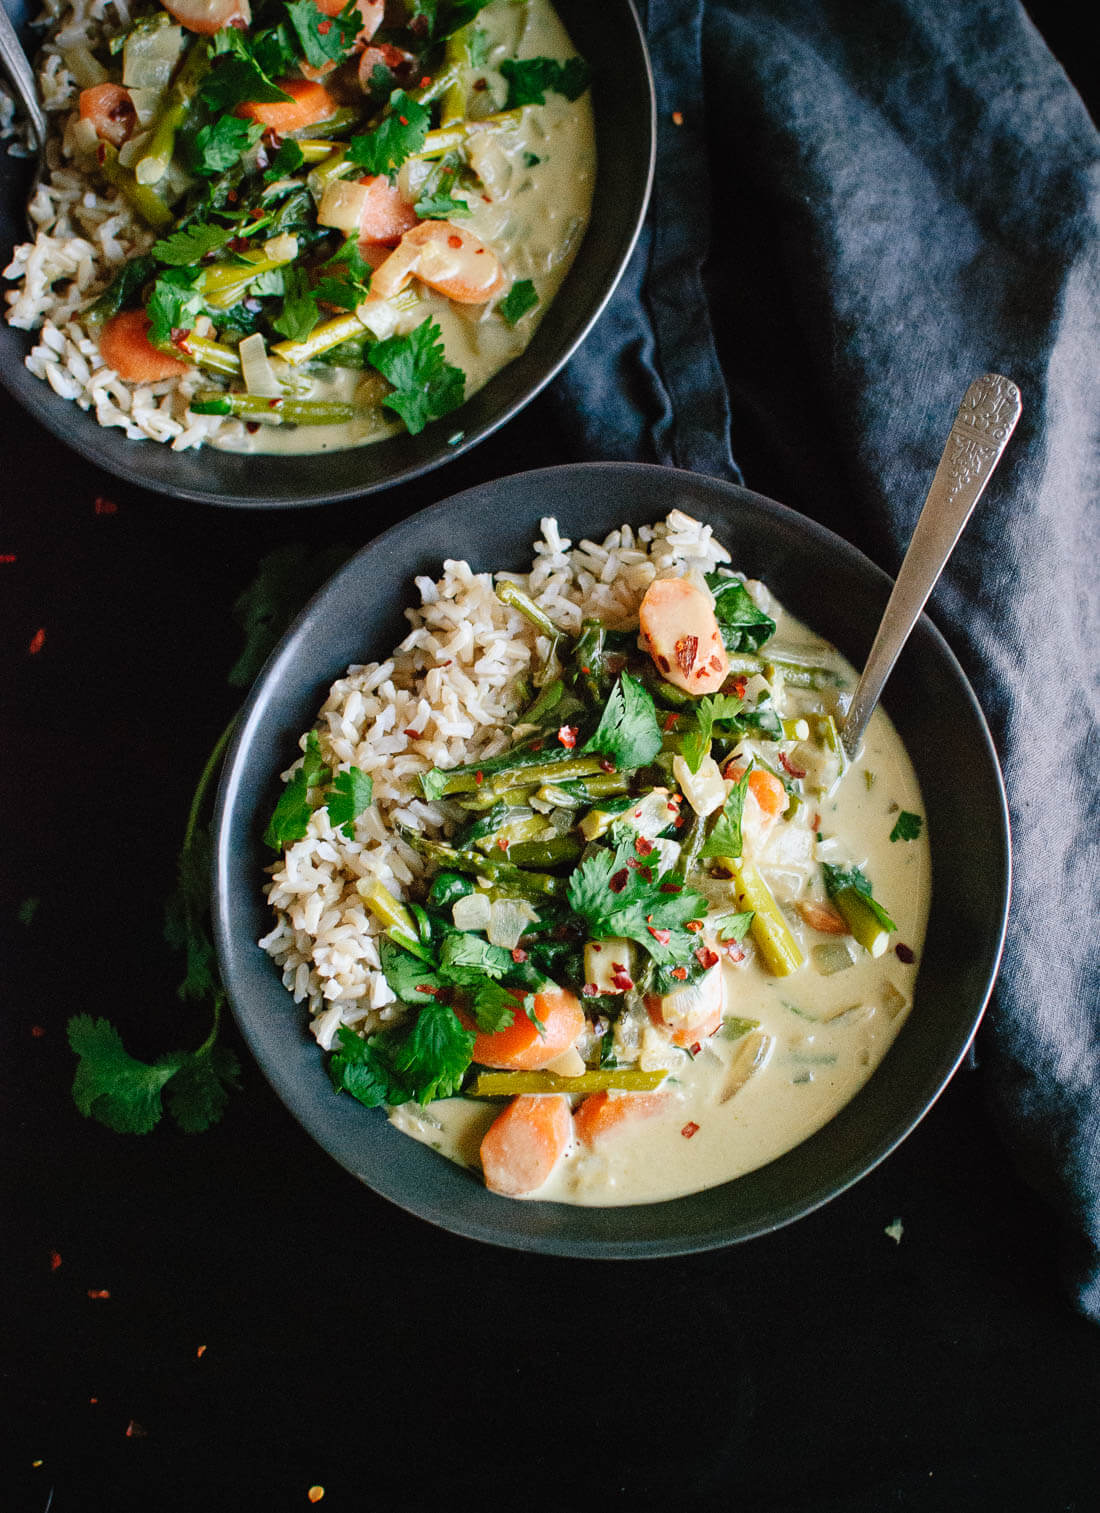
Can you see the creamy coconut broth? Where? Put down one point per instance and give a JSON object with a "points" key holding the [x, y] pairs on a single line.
{"points": [[269, 229], [773, 1002]]}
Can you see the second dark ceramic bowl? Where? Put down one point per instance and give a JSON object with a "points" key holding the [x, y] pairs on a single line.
{"points": [[610, 37], [826, 583]]}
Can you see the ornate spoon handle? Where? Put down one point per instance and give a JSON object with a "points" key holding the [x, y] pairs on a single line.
{"points": [[986, 419], [13, 60]]}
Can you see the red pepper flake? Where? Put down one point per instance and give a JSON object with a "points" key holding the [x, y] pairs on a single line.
{"points": [[680, 973], [274, 404], [788, 766], [55, 1259], [734, 950], [669, 721], [425, 81], [618, 881], [315, 1494], [38, 640], [480, 84], [589, 990], [454, 241], [232, 196], [689, 1129], [677, 118], [200, 1352], [324, 27], [567, 735], [404, 120], [694, 925], [621, 979], [706, 957], [642, 846], [715, 665], [104, 506], [424, 987], [98, 1293], [503, 843], [664, 664], [678, 822], [414, 735], [904, 953], [94, 1401], [739, 687], [7, 557], [519, 955], [134, 1430], [662, 937], [37, 1031], [607, 766], [670, 888], [479, 777], [815, 823], [686, 647]]}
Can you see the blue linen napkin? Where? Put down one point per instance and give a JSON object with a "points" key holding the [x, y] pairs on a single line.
{"points": [[858, 209]]}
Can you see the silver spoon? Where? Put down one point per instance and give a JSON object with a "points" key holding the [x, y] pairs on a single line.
{"points": [[986, 419], [20, 75]]}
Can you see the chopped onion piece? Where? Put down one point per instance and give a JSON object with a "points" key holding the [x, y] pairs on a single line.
{"points": [[471, 912], [149, 56], [510, 917], [259, 376], [83, 67], [341, 205], [704, 790], [379, 317], [832, 956]]}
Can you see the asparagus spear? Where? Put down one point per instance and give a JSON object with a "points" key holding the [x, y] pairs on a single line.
{"points": [[151, 167], [515, 879], [144, 199], [606, 1079], [770, 930]]}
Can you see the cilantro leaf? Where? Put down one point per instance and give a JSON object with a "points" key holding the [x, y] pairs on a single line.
{"points": [[494, 1006], [290, 820], [236, 74], [425, 384], [299, 313], [444, 16], [725, 835], [743, 626], [708, 712], [323, 38], [436, 1053], [628, 733], [614, 895], [112, 1086], [467, 959], [350, 794], [286, 161], [360, 1069], [220, 145], [907, 827], [520, 298], [396, 137], [196, 1096], [174, 303], [837, 879], [123, 288], [529, 79], [410, 978], [734, 926], [192, 244]]}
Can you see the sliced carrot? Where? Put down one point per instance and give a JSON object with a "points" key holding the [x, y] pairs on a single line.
{"points": [[522, 1047], [110, 110], [823, 917], [685, 1034], [679, 629], [765, 787], [209, 16], [525, 1142], [387, 215], [124, 345], [600, 1113], [310, 103]]}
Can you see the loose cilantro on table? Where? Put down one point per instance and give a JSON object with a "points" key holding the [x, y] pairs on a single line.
{"points": [[425, 384], [628, 733], [521, 298], [126, 1094], [743, 626], [531, 79], [907, 827]]}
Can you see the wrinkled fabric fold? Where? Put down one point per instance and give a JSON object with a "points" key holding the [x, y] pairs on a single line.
{"points": [[856, 211]]}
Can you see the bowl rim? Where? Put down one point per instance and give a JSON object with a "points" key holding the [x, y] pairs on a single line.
{"points": [[612, 1239], [128, 460]]}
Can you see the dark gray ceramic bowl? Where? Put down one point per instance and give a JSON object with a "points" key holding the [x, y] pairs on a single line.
{"points": [[609, 36], [358, 616]]}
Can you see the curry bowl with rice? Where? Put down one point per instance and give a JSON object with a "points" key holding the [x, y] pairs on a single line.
{"points": [[715, 1074]]}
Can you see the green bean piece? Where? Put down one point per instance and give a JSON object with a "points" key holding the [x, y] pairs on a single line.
{"points": [[224, 284], [691, 843], [625, 1079], [505, 875], [547, 853], [797, 674], [212, 355], [862, 920], [515, 598], [145, 200], [153, 164], [330, 333], [274, 412], [331, 126], [447, 888], [455, 134], [770, 930]]}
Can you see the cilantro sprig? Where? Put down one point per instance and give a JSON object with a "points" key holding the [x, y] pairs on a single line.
{"points": [[907, 826], [628, 733], [615, 895], [531, 79], [425, 384]]}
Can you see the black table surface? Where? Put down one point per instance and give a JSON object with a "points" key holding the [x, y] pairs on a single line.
{"points": [[228, 1320]]}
